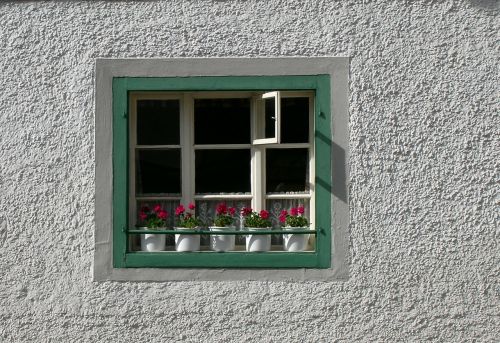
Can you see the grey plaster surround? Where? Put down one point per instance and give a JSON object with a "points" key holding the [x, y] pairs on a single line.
{"points": [[421, 256], [106, 69]]}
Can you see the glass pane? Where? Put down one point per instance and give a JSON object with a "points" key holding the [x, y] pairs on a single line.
{"points": [[270, 117], [167, 205], [158, 171], [275, 206], [286, 170], [206, 211], [222, 171], [222, 121], [158, 122], [294, 120]]}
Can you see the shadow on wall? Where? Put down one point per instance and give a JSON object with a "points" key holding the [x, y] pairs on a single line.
{"points": [[339, 179], [485, 4], [4, 224]]}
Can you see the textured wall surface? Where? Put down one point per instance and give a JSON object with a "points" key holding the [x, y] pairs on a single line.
{"points": [[424, 206]]}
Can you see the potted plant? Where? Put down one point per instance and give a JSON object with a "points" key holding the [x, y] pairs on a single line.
{"points": [[186, 220], [223, 221], [155, 219], [294, 221], [254, 221]]}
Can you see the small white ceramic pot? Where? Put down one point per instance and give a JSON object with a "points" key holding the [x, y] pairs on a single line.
{"points": [[295, 242], [152, 242], [222, 242], [186, 242], [258, 242]]}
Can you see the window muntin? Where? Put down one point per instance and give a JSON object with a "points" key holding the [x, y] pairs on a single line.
{"points": [[319, 258]]}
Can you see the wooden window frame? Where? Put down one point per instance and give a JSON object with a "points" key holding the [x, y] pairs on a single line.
{"points": [[320, 258]]}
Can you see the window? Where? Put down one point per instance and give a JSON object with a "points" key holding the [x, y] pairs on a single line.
{"points": [[265, 91], [245, 141]]}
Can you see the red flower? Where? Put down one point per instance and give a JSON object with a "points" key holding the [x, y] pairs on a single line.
{"points": [[157, 208], [191, 206], [179, 210], [245, 211], [232, 211], [294, 211], [283, 216], [264, 214], [221, 209], [144, 209], [163, 214], [300, 209], [188, 215], [143, 216]]}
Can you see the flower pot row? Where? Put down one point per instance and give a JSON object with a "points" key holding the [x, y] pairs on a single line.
{"points": [[254, 243]]}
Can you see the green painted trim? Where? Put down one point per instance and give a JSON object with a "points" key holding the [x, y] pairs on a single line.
{"points": [[322, 117], [222, 83], [120, 174], [323, 167], [212, 259], [217, 233]]}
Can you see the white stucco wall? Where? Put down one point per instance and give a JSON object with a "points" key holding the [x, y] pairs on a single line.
{"points": [[424, 172]]}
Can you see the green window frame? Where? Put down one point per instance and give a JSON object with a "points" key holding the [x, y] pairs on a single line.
{"points": [[320, 258]]}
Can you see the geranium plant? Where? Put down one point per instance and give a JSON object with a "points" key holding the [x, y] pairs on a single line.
{"points": [[186, 218], [224, 216], [254, 219], [155, 218], [294, 218]]}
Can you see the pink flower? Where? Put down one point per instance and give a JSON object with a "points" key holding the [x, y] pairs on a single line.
{"points": [[232, 211], [245, 211], [264, 214], [143, 216], [191, 206], [179, 210], [221, 209], [294, 211], [300, 209], [163, 214], [157, 208]]}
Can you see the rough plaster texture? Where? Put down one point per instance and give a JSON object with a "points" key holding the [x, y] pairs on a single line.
{"points": [[424, 172]]}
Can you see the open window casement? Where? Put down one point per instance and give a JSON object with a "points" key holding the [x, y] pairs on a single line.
{"points": [[267, 118]]}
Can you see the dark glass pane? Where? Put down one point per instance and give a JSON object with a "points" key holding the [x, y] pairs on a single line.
{"points": [[270, 117], [286, 170], [158, 171], [157, 122], [222, 171], [295, 120], [222, 121]]}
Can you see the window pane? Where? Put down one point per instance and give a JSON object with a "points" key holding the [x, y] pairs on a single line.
{"points": [[167, 205], [294, 120], [270, 117], [158, 171], [222, 121], [222, 171], [275, 206], [205, 210], [157, 122], [286, 170]]}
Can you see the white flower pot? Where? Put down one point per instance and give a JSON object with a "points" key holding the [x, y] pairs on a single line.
{"points": [[186, 242], [152, 242], [258, 242], [295, 242], [221, 242]]}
